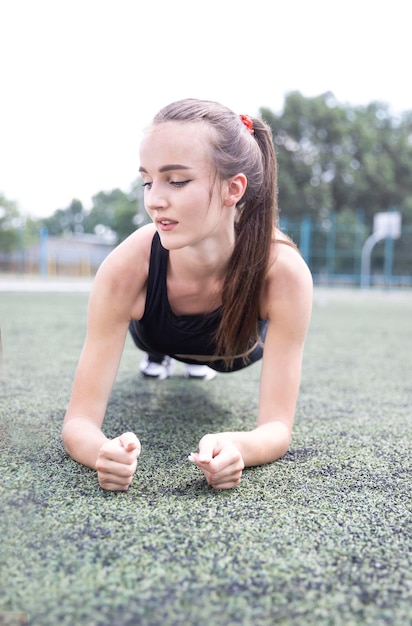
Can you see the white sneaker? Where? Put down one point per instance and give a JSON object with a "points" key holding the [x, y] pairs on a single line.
{"points": [[201, 372], [160, 371]]}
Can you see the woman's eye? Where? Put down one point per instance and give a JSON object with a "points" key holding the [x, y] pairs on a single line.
{"points": [[179, 183], [174, 183]]}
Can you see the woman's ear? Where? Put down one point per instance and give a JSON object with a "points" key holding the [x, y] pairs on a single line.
{"points": [[236, 187]]}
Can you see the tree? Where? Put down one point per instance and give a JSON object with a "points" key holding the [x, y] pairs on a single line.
{"points": [[114, 213], [11, 225], [334, 158], [115, 210], [64, 221]]}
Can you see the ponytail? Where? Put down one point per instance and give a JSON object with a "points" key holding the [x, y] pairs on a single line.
{"points": [[255, 227]]}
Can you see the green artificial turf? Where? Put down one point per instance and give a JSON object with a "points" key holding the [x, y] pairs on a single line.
{"points": [[322, 537]]}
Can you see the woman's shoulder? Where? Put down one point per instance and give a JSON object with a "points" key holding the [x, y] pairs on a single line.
{"points": [[123, 273], [288, 279], [132, 252], [285, 258]]}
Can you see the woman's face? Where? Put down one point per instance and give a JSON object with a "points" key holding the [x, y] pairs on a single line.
{"points": [[182, 193]]}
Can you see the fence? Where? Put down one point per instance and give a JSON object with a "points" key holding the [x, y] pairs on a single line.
{"points": [[333, 251], [332, 248], [78, 255]]}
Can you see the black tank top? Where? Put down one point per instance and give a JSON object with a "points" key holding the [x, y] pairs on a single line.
{"points": [[161, 331]]}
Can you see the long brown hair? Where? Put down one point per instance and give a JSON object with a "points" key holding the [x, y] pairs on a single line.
{"points": [[235, 150]]}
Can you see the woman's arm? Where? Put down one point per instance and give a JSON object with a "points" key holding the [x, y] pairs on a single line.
{"points": [[287, 304], [117, 295], [93, 382]]}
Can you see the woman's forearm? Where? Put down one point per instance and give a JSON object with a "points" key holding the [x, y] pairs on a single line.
{"points": [[82, 440], [264, 444]]}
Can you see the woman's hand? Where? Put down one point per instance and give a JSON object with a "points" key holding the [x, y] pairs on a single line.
{"points": [[117, 461], [220, 461]]}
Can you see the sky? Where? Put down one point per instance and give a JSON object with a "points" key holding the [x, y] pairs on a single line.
{"points": [[80, 79]]}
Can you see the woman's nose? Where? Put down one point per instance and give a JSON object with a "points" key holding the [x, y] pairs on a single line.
{"points": [[155, 197]]}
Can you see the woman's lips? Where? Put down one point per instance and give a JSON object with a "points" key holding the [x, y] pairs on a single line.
{"points": [[166, 224]]}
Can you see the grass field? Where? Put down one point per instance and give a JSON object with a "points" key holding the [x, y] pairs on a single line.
{"points": [[322, 537]]}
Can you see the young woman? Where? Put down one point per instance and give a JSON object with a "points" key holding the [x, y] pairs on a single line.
{"points": [[212, 282]]}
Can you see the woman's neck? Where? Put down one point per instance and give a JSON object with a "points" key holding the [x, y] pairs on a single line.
{"points": [[207, 259]]}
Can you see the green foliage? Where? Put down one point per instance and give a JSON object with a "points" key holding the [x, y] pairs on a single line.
{"points": [[11, 225], [114, 214], [115, 210], [64, 221], [334, 158]]}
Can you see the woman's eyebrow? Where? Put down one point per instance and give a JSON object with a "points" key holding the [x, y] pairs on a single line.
{"points": [[168, 168]]}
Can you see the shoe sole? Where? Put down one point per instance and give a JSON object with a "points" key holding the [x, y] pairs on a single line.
{"points": [[150, 377], [207, 377]]}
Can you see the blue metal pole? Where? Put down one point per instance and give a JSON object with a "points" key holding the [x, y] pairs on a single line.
{"points": [[43, 260], [305, 232], [388, 260], [331, 246]]}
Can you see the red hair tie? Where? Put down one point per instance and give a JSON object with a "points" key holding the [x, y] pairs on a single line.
{"points": [[248, 123]]}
